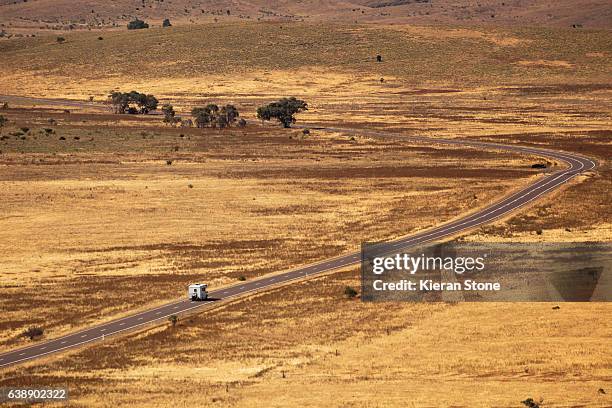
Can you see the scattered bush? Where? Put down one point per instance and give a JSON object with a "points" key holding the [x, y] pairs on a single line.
{"points": [[3, 121], [25, 129], [530, 403], [5, 105], [137, 25], [33, 332], [242, 123], [173, 319], [169, 162], [60, 40], [241, 278], [166, 23], [349, 292]]}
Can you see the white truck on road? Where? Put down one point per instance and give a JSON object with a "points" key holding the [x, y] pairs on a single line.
{"points": [[197, 291]]}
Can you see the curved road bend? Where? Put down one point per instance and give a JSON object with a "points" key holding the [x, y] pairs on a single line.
{"points": [[576, 165]]}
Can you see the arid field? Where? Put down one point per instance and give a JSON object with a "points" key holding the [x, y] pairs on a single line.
{"points": [[104, 214]]}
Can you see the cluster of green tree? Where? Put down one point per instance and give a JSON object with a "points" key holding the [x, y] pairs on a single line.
{"points": [[213, 116], [123, 102], [210, 115], [137, 25], [284, 110]]}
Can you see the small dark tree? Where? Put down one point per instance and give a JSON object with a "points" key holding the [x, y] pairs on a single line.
{"points": [[60, 40], [173, 319], [227, 115], [202, 117], [379, 58], [284, 110], [166, 23], [137, 25], [206, 116], [170, 115], [213, 110], [120, 101]]}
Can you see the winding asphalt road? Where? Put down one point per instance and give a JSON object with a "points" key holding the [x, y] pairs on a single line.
{"points": [[576, 164]]}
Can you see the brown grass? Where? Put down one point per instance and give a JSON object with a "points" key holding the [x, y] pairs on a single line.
{"points": [[108, 215], [108, 226]]}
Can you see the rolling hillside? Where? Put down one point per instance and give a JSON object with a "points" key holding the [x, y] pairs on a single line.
{"points": [[27, 16]]}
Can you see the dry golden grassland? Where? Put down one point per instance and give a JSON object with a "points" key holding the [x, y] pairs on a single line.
{"points": [[104, 215], [105, 225], [305, 345], [312, 60]]}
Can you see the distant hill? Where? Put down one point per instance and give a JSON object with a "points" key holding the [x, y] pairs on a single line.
{"points": [[31, 15]]}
